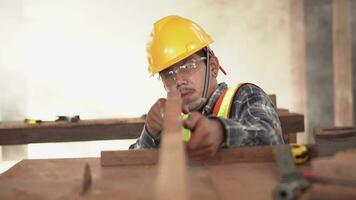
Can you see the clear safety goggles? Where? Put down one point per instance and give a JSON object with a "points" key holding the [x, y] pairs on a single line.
{"points": [[185, 70]]}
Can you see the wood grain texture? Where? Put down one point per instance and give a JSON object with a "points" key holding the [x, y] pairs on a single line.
{"points": [[103, 129], [132, 157], [223, 156], [252, 176], [172, 175], [339, 167], [325, 135], [62, 178]]}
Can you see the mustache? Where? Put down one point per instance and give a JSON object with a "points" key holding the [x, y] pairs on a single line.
{"points": [[186, 89]]}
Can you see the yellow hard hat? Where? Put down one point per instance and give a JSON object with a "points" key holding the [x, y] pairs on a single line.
{"points": [[173, 39]]}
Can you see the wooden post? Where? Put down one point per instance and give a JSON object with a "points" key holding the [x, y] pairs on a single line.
{"points": [[343, 104], [172, 166], [319, 70]]}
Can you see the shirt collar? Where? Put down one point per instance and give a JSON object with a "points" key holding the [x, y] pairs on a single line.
{"points": [[208, 108]]}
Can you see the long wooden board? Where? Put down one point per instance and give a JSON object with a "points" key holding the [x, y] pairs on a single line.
{"points": [[223, 156], [172, 174], [102, 129]]}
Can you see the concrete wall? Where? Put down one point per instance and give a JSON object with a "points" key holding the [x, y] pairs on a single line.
{"points": [[342, 61], [353, 36], [319, 64]]}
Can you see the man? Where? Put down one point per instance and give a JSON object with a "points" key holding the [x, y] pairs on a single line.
{"points": [[218, 116]]}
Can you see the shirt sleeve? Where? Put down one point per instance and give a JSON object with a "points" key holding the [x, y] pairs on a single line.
{"points": [[253, 119], [146, 141]]}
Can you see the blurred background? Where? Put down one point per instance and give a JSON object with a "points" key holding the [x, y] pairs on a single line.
{"points": [[88, 58]]}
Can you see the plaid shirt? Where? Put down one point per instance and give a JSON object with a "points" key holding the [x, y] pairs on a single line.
{"points": [[253, 120]]}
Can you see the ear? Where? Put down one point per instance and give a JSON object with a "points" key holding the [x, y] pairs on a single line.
{"points": [[214, 66]]}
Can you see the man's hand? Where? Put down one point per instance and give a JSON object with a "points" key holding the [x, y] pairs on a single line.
{"points": [[206, 136], [154, 119]]}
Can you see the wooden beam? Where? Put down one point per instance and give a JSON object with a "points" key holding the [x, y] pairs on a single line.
{"points": [[84, 130], [132, 157], [102, 129], [172, 176], [329, 135], [291, 122], [253, 154], [223, 156]]}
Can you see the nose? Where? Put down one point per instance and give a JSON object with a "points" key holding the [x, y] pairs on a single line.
{"points": [[180, 80]]}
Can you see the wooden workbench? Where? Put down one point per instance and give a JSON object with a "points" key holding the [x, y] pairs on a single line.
{"points": [[226, 178], [241, 173]]}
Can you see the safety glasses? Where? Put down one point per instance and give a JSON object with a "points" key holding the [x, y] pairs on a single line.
{"points": [[169, 76]]}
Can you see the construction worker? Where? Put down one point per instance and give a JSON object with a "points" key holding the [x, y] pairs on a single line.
{"points": [[219, 116]]}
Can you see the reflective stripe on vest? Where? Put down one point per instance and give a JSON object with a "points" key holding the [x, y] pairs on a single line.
{"points": [[221, 109], [223, 105]]}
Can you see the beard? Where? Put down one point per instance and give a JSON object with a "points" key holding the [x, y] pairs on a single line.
{"points": [[197, 104]]}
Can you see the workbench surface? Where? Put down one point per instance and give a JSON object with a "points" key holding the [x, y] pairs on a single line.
{"points": [[62, 179]]}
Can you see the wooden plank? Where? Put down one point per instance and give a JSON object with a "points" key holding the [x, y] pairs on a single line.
{"points": [[172, 176], [250, 154], [223, 156], [325, 135], [330, 192], [342, 45], [291, 122], [134, 157], [339, 167], [102, 129], [84, 130], [335, 132], [61, 179], [290, 138]]}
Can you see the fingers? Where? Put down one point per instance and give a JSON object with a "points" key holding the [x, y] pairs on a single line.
{"points": [[200, 135], [155, 116], [185, 109], [192, 120], [204, 142], [161, 107]]}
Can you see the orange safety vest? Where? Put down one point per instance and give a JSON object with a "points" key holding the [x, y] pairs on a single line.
{"points": [[223, 105], [221, 108]]}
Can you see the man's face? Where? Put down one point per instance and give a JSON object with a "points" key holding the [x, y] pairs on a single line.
{"points": [[187, 76]]}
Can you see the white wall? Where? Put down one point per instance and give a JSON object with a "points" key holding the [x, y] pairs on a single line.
{"points": [[88, 57]]}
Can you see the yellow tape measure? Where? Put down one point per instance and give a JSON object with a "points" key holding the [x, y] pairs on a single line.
{"points": [[32, 121], [185, 132], [300, 153]]}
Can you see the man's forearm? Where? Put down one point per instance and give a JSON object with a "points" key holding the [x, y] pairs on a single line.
{"points": [[250, 134], [146, 141]]}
